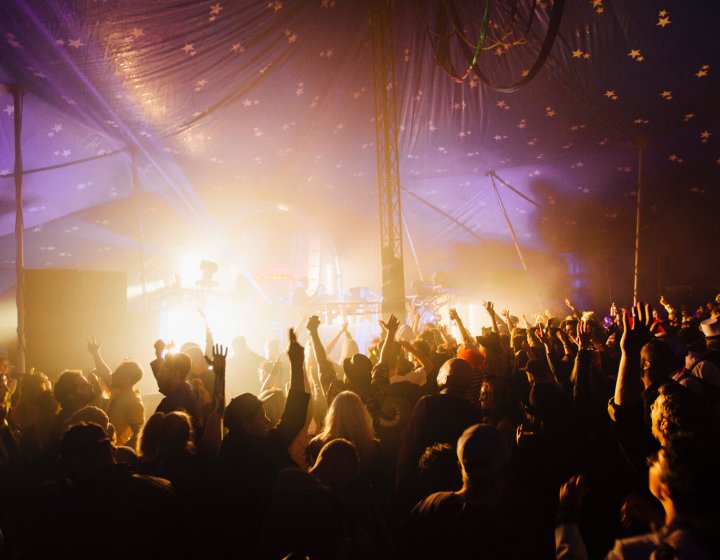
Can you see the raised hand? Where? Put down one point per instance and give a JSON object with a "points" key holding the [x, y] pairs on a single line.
{"points": [[159, 348], [93, 345], [583, 335], [296, 353], [638, 329], [572, 492], [569, 304], [489, 307], [663, 301], [313, 323], [392, 324], [345, 326], [452, 312], [218, 363]]}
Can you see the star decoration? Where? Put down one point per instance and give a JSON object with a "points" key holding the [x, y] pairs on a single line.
{"points": [[137, 32], [577, 53], [189, 48], [549, 112], [75, 43], [705, 136], [237, 48], [610, 93], [663, 21], [503, 105], [522, 124], [704, 70], [275, 6], [634, 53], [641, 121], [9, 110], [215, 9], [688, 117], [667, 94]]}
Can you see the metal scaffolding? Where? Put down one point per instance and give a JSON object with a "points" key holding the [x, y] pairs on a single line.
{"points": [[386, 134]]}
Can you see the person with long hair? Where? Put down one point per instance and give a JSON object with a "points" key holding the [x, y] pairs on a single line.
{"points": [[348, 418]]}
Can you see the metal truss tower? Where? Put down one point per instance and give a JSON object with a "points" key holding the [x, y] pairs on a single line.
{"points": [[386, 135]]}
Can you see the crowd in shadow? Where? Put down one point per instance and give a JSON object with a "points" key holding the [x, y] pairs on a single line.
{"points": [[579, 436]]}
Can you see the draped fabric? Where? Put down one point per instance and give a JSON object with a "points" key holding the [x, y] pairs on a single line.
{"points": [[232, 102]]}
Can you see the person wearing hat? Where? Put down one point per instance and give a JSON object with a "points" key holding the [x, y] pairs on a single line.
{"points": [[469, 522], [253, 451], [439, 418]]}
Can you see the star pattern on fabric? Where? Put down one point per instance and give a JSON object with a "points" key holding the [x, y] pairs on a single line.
{"points": [[705, 136], [275, 6], [663, 18], [688, 117], [610, 94], [237, 48], [703, 72], [667, 95]]}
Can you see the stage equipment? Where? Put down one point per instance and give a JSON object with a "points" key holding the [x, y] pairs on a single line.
{"points": [[386, 135], [208, 269]]}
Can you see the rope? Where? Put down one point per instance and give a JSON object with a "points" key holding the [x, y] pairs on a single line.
{"points": [[515, 241]]}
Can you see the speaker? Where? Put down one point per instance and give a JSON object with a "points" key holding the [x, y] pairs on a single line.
{"points": [[63, 308]]}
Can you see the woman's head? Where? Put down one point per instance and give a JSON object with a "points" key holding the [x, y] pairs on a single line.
{"points": [[348, 418]]}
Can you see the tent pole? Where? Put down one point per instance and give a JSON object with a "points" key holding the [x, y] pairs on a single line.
{"points": [[492, 176], [138, 223], [640, 143], [17, 93]]}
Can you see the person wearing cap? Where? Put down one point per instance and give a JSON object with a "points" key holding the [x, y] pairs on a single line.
{"points": [[439, 418], [105, 499], [253, 451], [469, 522]]}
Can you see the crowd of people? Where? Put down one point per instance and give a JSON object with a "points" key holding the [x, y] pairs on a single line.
{"points": [[570, 437]]}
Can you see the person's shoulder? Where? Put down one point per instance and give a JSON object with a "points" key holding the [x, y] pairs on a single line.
{"points": [[437, 502]]}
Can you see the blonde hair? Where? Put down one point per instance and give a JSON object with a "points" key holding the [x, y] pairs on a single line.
{"points": [[349, 419]]}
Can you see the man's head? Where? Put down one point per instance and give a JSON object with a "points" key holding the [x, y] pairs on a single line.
{"points": [[677, 409], [337, 464], [245, 414], [482, 452], [657, 362], [537, 371], [685, 475], [173, 372], [126, 375], [85, 450], [456, 376], [73, 391]]}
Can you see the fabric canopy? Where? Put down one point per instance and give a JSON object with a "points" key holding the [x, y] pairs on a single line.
{"points": [[231, 103]]}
